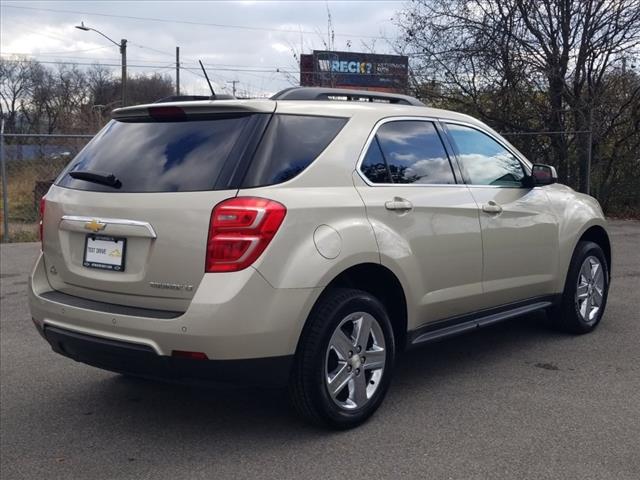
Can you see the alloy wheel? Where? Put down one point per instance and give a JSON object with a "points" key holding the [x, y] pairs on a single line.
{"points": [[355, 360], [590, 289]]}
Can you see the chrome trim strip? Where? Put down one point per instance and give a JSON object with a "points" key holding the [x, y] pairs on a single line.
{"points": [[111, 221]]}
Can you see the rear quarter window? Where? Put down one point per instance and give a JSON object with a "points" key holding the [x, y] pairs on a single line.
{"points": [[290, 144]]}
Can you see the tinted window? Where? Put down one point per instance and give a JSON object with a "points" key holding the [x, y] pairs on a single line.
{"points": [[484, 160], [407, 151], [289, 145], [158, 157], [373, 166]]}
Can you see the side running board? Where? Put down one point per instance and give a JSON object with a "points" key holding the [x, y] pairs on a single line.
{"points": [[457, 325]]}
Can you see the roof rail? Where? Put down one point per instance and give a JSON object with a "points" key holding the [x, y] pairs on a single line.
{"points": [[188, 98], [344, 94]]}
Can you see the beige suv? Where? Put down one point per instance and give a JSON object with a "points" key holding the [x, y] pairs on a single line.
{"points": [[306, 239]]}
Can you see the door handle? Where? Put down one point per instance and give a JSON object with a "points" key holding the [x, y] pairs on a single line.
{"points": [[398, 204], [491, 207]]}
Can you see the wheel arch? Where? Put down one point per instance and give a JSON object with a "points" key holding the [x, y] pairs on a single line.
{"points": [[598, 235], [383, 284]]}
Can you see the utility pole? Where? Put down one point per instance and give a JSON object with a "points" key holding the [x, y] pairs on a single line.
{"points": [[123, 52], [5, 199], [178, 71], [590, 147], [234, 82]]}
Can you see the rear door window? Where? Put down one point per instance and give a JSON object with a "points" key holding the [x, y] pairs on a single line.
{"points": [[172, 156], [290, 144], [407, 151]]}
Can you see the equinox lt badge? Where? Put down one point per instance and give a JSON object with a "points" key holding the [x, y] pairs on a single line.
{"points": [[171, 286]]}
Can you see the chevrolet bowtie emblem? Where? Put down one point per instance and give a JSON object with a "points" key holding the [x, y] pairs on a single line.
{"points": [[95, 226]]}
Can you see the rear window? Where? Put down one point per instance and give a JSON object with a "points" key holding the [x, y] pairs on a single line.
{"points": [[290, 144], [160, 156]]}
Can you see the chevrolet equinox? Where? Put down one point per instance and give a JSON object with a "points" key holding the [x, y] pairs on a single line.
{"points": [[305, 240]]}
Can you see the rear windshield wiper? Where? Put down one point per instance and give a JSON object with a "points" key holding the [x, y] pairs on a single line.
{"points": [[108, 179]]}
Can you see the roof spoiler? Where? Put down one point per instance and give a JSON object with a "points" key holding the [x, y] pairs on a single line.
{"points": [[345, 95], [188, 109]]}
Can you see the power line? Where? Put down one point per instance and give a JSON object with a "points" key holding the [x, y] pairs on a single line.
{"points": [[221, 69], [44, 54], [190, 22], [113, 59], [165, 67], [85, 64], [191, 60], [75, 57], [220, 81], [151, 48], [182, 67]]}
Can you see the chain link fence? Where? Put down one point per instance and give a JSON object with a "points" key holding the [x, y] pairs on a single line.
{"points": [[538, 148], [30, 163], [609, 176]]}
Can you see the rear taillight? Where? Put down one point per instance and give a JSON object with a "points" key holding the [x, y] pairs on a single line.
{"points": [[167, 114], [43, 205], [240, 230]]}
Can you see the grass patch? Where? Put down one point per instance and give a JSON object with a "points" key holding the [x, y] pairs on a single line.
{"points": [[22, 178], [29, 234], [26, 183]]}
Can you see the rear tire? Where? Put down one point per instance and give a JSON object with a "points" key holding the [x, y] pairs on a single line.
{"points": [[343, 365], [585, 293]]}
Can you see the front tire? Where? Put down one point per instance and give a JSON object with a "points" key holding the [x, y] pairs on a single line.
{"points": [[342, 369], [585, 293]]}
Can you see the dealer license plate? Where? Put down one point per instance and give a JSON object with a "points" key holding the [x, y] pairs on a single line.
{"points": [[106, 253]]}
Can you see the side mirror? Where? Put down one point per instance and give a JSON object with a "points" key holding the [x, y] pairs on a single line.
{"points": [[543, 175]]}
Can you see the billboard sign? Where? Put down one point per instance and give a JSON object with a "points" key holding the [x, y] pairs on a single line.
{"points": [[353, 69]]}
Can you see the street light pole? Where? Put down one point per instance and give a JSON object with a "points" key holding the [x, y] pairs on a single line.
{"points": [[123, 53]]}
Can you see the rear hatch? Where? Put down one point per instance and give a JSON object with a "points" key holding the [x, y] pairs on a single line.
{"points": [[128, 219]]}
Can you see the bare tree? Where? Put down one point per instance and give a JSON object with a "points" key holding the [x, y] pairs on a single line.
{"points": [[524, 64], [617, 143], [57, 98], [148, 88], [15, 87], [67, 99], [102, 86]]}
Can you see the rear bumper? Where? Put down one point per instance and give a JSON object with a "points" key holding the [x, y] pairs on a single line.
{"points": [[236, 321], [140, 360]]}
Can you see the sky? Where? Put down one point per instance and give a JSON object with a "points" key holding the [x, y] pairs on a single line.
{"points": [[250, 41]]}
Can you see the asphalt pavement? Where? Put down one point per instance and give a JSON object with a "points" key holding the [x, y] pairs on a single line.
{"points": [[512, 401]]}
